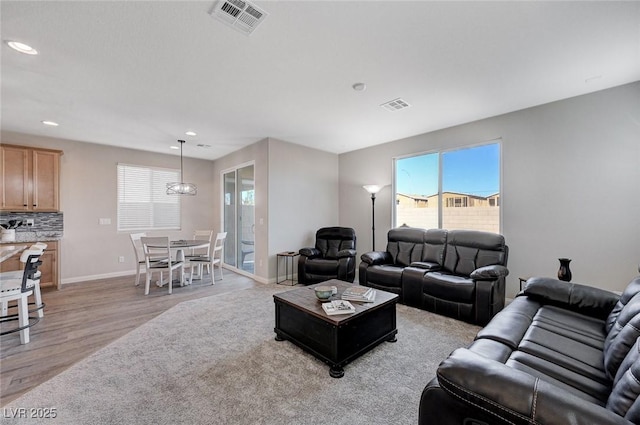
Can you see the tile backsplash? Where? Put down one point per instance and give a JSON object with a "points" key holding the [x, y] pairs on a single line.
{"points": [[45, 225]]}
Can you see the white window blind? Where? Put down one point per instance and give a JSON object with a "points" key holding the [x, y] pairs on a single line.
{"points": [[143, 203]]}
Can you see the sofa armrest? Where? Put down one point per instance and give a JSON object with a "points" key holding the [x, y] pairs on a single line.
{"points": [[514, 396], [426, 266], [347, 253], [489, 272], [376, 257], [585, 299], [310, 252]]}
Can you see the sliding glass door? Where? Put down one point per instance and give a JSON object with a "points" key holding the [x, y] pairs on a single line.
{"points": [[239, 217]]}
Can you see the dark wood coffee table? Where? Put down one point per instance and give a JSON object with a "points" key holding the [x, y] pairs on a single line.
{"points": [[336, 340]]}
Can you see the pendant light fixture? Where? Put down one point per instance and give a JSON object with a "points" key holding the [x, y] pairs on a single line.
{"points": [[181, 188]]}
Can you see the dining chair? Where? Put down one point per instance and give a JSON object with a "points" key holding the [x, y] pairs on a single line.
{"points": [[212, 260], [20, 289], [137, 249], [157, 256], [37, 248], [205, 235]]}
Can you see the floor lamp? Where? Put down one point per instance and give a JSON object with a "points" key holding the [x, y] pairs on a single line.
{"points": [[373, 189]]}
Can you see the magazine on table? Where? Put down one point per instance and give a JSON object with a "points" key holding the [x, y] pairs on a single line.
{"points": [[335, 307], [361, 294]]}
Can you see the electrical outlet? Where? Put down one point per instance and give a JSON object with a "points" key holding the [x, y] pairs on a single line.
{"points": [[121, 259], [30, 222]]}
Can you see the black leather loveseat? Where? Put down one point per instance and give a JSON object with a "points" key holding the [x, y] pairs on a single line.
{"points": [[457, 273], [559, 353]]}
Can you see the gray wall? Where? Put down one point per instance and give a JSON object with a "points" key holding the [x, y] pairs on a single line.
{"points": [[570, 185], [303, 197], [88, 192]]}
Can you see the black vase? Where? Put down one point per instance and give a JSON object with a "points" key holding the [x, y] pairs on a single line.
{"points": [[564, 272]]}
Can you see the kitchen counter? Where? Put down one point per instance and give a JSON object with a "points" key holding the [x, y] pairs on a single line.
{"points": [[32, 237], [8, 250]]}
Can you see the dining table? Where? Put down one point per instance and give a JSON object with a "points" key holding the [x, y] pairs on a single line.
{"points": [[179, 246]]}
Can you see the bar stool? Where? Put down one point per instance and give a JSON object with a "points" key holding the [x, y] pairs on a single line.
{"points": [[20, 289]]}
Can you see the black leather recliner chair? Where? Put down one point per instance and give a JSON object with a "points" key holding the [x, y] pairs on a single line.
{"points": [[334, 256]]}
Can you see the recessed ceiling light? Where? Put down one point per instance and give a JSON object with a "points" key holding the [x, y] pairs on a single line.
{"points": [[51, 123], [22, 48], [359, 86], [593, 79], [174, 147], [191, 133]]}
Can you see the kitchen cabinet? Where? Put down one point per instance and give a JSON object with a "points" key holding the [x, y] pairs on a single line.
{"points": [[29, 178], [50, 267]]}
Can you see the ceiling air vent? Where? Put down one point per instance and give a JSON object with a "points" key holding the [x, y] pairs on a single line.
{"points": [[239, 14], [395, 105]]}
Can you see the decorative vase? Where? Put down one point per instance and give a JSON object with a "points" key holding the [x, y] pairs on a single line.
{"points": [[564, 272], [8, 235]]}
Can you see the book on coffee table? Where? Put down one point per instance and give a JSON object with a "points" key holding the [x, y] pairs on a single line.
{"points": [[360, 294], [338, 307]]}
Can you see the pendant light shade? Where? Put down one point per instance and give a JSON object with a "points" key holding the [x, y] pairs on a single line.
{"points": [[181, 188]]}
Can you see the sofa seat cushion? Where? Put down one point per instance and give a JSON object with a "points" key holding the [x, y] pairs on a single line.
{"points": [[385, 276], [449, 287], [588, 330], [570, 355], [559, 346], [551, 373]]}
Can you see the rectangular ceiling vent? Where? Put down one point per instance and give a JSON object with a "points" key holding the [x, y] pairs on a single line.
{"points": [[239, 14], [395, 105]]}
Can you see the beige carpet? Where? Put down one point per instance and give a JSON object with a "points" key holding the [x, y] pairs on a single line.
{"points": [[215, 361]]}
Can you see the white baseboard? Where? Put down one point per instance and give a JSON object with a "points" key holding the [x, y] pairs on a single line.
{"points": [[98, 277], [132, 273]]}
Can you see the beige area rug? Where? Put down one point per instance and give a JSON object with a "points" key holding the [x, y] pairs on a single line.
{"points": [[215, 361]]}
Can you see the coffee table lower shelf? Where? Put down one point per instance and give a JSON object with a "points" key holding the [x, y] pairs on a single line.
{"points": [[335, 341]]}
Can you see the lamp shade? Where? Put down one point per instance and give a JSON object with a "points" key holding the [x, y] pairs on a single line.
{"points": [[181, 188], [372, 188]]}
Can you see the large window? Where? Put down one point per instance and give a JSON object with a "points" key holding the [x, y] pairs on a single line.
{"points": [[457, 189], [143, 203]]}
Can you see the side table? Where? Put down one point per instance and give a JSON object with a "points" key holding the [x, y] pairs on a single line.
{"points": [[289, 258]]}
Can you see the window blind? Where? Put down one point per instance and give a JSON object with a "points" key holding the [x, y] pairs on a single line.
{"points": [[143, 203]]}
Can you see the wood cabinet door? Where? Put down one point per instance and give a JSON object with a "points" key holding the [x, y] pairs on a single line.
{"points": [[49, 268], [45, 181], [14, 175]]}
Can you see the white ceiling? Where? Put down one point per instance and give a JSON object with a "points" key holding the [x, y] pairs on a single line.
{"points": [[140, 73]]}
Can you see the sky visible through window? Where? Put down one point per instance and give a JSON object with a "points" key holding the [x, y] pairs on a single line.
{"points": [[474, 171]]}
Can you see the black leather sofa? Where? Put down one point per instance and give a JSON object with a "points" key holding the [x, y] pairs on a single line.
{"points": [[560, 353], [457, 273], [333, 257]]}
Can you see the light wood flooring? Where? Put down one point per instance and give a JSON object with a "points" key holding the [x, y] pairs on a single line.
{"points": [[83, 317]]}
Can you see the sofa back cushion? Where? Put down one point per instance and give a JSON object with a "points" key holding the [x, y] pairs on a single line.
{"points": [[622, 336], [435, 241], [331, 240], [623, 399], [404, 244], [630, 291], [468, 250]]}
